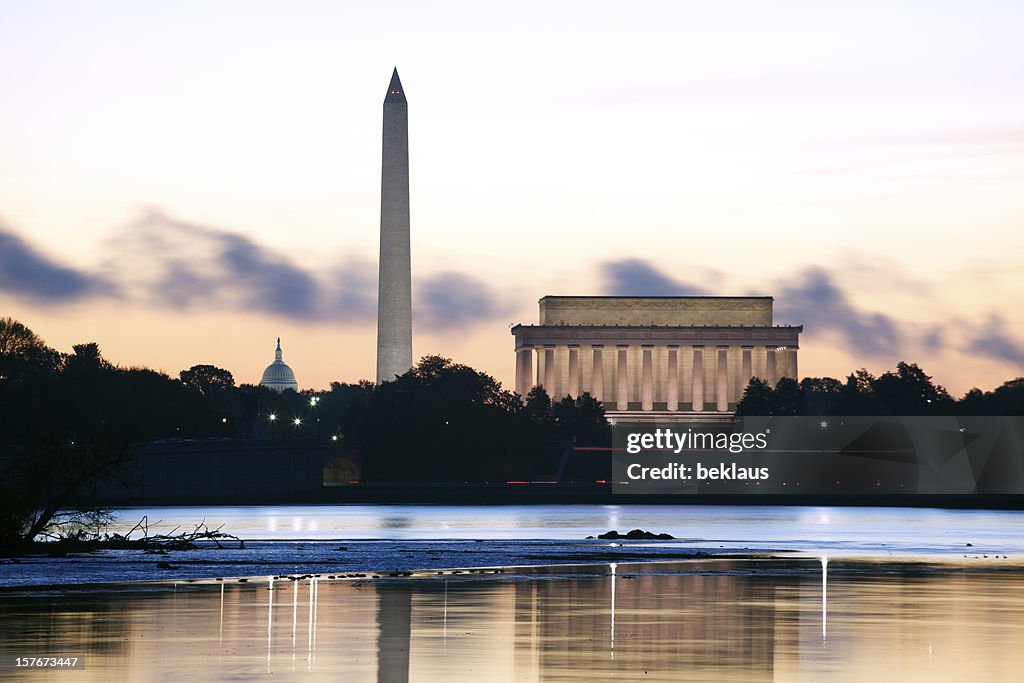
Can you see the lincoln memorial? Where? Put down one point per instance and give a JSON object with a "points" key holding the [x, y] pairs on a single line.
{"points": [[658, 355]]}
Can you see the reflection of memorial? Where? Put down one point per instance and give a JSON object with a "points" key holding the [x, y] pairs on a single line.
{"points": [[690, 621], [660, 623], [655, 355]]}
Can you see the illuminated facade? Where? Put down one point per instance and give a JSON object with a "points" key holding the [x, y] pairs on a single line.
{"points": [[657, 355]]}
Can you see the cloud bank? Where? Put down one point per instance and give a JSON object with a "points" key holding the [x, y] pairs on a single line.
{"points": [[815, 298], [161, 261], [26, 272]]}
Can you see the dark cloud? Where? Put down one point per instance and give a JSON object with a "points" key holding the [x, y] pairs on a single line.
{"points": [[637, 277], [185, 265], [269, 281], [162, 261], [816, 301], [454, 300], [997, 343], [25, 272], [934, 339], [812, 298]]}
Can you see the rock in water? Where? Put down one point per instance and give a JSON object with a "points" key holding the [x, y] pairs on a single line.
{"points": [[636, 535]]}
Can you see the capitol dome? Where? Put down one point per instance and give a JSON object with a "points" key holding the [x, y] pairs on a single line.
{"points": [[279, 376]]}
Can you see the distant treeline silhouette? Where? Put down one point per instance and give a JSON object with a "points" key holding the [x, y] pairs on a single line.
{"points": [[438, 408], [440, 412], [51, 397], [907, 391], [68, 421]]}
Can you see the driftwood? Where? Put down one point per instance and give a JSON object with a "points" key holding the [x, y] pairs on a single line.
{"points": [[87, 541]]}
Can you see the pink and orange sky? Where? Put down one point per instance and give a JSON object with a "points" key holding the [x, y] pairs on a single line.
{"points": [[185, 182]]}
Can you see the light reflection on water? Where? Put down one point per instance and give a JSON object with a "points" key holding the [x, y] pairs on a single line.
{"points": [[846, 530], [726, 620]]}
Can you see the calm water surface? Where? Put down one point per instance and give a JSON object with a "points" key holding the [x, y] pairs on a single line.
{"points": [[724, 620], [846, 530]]}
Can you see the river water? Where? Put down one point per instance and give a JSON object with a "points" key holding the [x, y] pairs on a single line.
{"points": [[834, 530], [389, 538], [800, 619], [371, 593]]}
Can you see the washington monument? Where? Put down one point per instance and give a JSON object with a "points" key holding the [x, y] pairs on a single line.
{"points": [[394, 286]]}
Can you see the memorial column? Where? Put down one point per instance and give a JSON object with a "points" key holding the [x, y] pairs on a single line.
{"points": [[597, 373], [524, 370], [769, 367], [621, 378], [746, 369], [697, 391], [549, 370], [672, 381], [647, 378], [574, 370], [722, 380]]}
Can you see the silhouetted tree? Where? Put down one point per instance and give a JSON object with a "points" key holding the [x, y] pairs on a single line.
{"points": [[909, 391], [23, 352], [1010, 397], [857, 396], [758, 398], [439, 421], [582, 421], [821, 395], [1006, 399], [207, 379], [788, 398], [538, 405], [49, 490], [976, 402], [87, 359]]}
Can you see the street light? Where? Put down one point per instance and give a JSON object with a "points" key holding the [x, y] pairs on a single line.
{"points": [[313, 400]]}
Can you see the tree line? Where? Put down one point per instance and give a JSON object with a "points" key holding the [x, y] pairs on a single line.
{"points": [[906, 391], [78, 397], [66, 418]]}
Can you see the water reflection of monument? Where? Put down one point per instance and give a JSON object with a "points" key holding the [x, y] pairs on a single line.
{"points": [[604, 626], [693, 621], [661, 623], [394, 624]]}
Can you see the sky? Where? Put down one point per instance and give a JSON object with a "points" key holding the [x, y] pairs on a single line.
{"points": [[185, 182]]}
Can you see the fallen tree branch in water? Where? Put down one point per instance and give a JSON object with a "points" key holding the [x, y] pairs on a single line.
{"points": [[83, 540]]}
